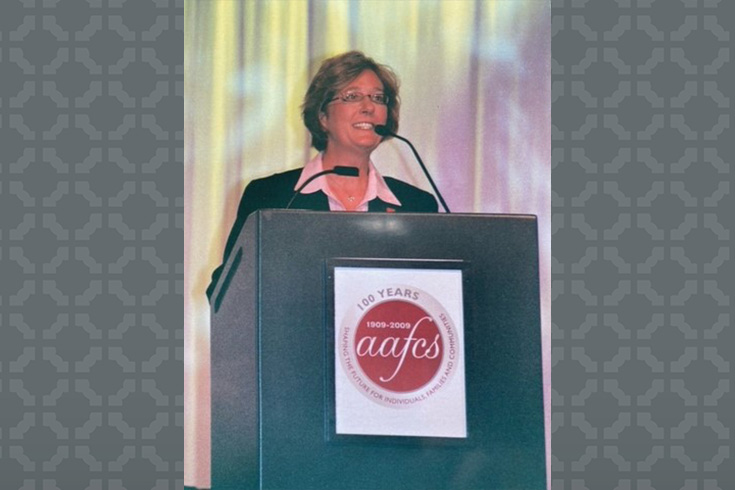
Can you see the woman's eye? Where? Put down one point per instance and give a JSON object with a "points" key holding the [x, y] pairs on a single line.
{"points": [[352, 96]]}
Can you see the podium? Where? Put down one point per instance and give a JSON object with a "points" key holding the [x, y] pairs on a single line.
{"points": [[276, 355]]}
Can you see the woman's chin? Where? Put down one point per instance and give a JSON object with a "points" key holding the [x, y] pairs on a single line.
{"points": [[356, 145], [368, 144]]}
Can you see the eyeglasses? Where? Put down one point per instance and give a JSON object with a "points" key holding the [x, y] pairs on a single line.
{"points": [[354, 97]]}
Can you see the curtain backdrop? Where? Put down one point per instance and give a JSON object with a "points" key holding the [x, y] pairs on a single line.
{"points": [[476, 102]]}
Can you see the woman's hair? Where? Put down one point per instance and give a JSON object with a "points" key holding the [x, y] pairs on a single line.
{"points": [[336, 73]]}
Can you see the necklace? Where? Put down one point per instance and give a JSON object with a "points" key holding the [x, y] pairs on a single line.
{"points": [[351, 198]]}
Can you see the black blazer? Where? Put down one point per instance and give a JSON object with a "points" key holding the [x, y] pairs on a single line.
{"points": [[275, 191]]}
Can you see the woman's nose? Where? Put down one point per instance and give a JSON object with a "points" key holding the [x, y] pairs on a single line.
{"points": [[367, 106]]}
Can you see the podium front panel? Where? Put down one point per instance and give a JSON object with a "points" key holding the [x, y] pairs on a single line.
{"points": [[272, 358]]}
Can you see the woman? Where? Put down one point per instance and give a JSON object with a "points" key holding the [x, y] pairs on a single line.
{"points": [[350, 95]]}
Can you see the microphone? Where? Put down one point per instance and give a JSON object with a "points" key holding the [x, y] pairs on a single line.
{"points": [[383, 131], [344, 171]]}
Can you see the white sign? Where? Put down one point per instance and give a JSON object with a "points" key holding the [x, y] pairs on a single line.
{"points": [[399, 352]]}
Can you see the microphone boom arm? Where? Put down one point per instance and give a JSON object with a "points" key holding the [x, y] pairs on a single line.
{"points": [[344, 171], [423, 167]]}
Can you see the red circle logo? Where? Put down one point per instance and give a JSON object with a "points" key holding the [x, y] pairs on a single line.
{"points": [[399, 346]]}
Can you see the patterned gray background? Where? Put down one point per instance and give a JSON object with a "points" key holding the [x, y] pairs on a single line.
{"points": [[642, 340], [91, 244]]}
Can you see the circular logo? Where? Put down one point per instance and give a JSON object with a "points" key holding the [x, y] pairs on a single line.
{"points": [[398, 346]]}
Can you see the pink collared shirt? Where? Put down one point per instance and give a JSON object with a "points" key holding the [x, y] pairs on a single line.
{"points": [[376, 188]]}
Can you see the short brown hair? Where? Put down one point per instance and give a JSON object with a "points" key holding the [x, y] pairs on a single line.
{"points": [[333, 75]]}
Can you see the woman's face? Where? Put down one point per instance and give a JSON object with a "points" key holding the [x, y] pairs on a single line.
{"points": [[350, 126]]}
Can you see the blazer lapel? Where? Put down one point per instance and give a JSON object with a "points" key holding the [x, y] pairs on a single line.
{"points": [[379, 206]]}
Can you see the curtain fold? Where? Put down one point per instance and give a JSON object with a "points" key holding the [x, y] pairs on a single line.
{"points": [[476, 102]]}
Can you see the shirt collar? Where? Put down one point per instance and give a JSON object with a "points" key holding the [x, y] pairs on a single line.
{"points": [[377, 187]]}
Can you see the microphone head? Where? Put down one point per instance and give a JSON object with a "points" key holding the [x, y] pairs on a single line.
{"points": [[347, 171], [382, 130]]}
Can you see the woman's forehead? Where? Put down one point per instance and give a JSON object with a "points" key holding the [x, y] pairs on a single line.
{"points": [[368, 79]]}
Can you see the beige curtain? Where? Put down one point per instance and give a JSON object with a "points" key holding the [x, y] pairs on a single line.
{"points": [[475, 102]]}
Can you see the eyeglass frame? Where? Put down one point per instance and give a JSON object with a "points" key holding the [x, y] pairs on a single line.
{"points": [[341, 97]]}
